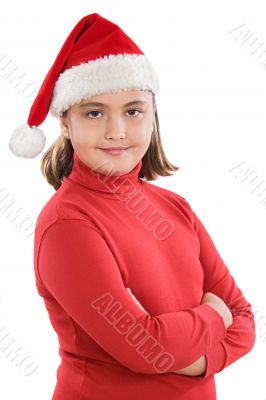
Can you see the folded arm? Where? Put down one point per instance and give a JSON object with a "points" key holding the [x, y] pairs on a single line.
{"points": [[240, 336], [76, 267]]}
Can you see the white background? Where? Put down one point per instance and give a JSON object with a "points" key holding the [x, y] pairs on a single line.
{"points": [[211, 107]]}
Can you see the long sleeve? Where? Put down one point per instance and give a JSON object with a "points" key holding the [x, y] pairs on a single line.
{"points": [[78, 269], [240, 336]]}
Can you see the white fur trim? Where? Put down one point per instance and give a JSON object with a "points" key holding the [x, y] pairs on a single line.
{"points": [[27, 142], [111, 73]]}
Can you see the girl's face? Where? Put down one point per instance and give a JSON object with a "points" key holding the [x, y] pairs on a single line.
{"points": [[111, 123]]}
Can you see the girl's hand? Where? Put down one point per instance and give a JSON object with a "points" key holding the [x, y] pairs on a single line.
{"points": [[197, 368], [218, 305], [134, 298]]}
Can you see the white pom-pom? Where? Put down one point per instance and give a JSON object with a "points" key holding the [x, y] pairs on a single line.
{"points": [[27, 142]]}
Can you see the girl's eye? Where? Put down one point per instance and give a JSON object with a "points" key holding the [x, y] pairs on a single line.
{"points": [[140, 112], [93, 113]]}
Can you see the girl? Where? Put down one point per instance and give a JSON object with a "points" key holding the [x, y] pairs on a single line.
{"points": [[136, 290]]}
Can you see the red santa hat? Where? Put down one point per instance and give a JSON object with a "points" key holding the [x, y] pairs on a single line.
{"points": [[97, 57]]}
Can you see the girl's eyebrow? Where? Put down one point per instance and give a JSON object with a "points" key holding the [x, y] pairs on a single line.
{"points": [[97, 104]]}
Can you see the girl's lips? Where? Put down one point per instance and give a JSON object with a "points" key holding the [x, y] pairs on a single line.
{"points": [[114, 151]]}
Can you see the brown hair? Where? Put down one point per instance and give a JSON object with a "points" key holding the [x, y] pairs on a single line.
{"points": [[57, 161]]}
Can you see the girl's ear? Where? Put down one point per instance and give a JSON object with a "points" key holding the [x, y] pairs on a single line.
{"points": [[64, 128], [63, 124]]}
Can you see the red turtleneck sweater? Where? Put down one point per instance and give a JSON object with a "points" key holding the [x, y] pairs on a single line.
{"points": [[99, 237]]}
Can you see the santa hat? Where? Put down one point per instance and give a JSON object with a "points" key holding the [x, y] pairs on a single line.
{"points": [[97, 57]]}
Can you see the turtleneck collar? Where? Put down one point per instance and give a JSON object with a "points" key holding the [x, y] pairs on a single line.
{"points": [[110, 186]]}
